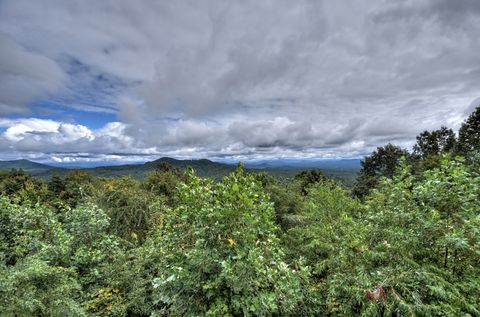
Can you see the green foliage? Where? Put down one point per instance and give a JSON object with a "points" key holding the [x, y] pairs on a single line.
{"points": [[435, 143], [115, 276], [27, 231], [420, 246], [91, 245], [33, 248], [220, 255], [287, 198], [163, 181], [383, 162], [469, 134], [131, 209], [126, 283], [33, 287], [308, 178], [328, 226], [21, 187], [75, 188]]}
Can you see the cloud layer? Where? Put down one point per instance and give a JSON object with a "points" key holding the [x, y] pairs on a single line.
{"points": [[241, 80]]}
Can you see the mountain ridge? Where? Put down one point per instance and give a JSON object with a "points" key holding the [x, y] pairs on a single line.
{"points": [[203, 167]]}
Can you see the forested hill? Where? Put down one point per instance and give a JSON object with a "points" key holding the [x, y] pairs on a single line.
{"points": [[342, 170], [203, 167], [34, 168]]}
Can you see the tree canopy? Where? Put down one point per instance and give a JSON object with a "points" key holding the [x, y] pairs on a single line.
{"points": [[383, 162], [433, 143], [469, 134]]}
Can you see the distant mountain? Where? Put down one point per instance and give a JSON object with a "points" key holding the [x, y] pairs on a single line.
{"points": [[323, 163], [33, 168], [203, 168], [342, 170]]}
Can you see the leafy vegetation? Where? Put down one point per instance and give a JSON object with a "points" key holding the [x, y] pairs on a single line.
{"points": [[404, 242]]}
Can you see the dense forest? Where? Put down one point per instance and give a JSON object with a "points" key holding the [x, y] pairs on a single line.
{"points": [[403, 241]]}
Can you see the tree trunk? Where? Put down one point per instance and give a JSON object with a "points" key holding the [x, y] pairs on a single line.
{"points": [[445, 263]]}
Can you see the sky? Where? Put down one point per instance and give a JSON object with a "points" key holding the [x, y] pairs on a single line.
{"points": [[120, 80]]}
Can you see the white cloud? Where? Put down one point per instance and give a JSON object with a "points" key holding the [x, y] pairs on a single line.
{"points": [[17, 130], [28, 136]]}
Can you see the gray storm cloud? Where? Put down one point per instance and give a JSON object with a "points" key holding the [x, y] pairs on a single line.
{"points": [[25, 76], [243, 79]]}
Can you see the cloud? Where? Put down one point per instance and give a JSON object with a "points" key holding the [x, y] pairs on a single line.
{"points": [[28, 136], [25, 76], [242, 79]]}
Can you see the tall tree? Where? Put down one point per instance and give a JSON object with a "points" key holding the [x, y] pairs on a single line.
{"points": [[435, 142], [382, 162], [469, 134]]}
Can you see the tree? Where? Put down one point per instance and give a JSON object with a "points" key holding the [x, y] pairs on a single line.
{"points": [[286, 196], [73, 189], [328, 226], [469, 134], [423, 242], [434, 143], [33, 252], [412, 250], [163, 181], [220, 255], [131, 208], [22, 187], [383, 162], [309, 178], [33, 287]]}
